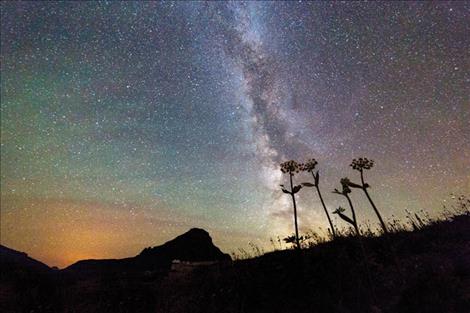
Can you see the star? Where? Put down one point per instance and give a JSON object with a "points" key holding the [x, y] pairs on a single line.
{"points": [[125, 124]]}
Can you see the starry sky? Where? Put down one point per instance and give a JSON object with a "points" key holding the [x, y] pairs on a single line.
{"points": [[126, 124]]}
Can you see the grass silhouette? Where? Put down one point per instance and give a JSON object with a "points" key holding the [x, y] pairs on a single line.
{"points": [[338, 276]]}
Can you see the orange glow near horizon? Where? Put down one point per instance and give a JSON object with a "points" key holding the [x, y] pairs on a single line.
{"points": [[64, 232]]}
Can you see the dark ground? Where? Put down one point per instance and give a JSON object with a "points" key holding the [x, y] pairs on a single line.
{"points": [[426, 270]]}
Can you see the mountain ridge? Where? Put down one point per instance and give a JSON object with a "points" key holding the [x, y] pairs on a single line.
{"points": [[10, 258], [193, 245]]}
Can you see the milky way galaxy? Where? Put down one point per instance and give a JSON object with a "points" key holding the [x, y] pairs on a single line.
{"points": [[124, 124]]}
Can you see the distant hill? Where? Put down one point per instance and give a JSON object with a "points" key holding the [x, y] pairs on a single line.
{"points": [[25, 283], [13, 262], [194, 245]]}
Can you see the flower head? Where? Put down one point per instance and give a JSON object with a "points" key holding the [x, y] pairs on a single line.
{"points": [[309, 166], [345, 182], [291, 167], [339, 210], [362, 164]]}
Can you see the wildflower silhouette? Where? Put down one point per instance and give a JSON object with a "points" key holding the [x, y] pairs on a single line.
{"points": [[291, 167], [292, 239], [309, 166], [360, 165], [345, 182]]}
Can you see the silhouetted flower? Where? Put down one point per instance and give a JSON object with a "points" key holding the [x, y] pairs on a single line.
{"points": [[362, 164], [309, 166], [346, 183], [291, 167], [292, 239], [339, 210]]}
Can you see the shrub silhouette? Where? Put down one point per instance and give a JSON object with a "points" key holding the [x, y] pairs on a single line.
{"points": [[360, 165], [309, 166], [291, 167], [345, 192]]}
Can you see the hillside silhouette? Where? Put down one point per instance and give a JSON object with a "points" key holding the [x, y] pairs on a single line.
{"points": [[194, 245], [424, 270], [13, 260]]}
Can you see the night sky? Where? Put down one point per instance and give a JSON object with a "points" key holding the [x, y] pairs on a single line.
{"points": [[126, 124]]}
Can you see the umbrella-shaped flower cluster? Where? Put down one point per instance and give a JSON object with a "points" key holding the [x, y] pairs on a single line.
{"points": [[362, 164], [291, 167], [310, 165]]}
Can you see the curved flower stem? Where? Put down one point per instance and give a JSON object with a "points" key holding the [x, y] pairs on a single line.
{"points": [[295, 212], [324, 207], [358, 233], [364, 187]]}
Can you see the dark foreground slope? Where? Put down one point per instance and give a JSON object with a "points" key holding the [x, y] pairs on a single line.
{"points": [[24, 281], [427, 270]]}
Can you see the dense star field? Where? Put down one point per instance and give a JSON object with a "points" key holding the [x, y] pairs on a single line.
{"points": [[125, 124]]}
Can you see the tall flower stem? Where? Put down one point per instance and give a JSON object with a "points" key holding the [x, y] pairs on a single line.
{"points": [[364, 187], [324, 207], [291, 167], [295, 212], [358, 233]]}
